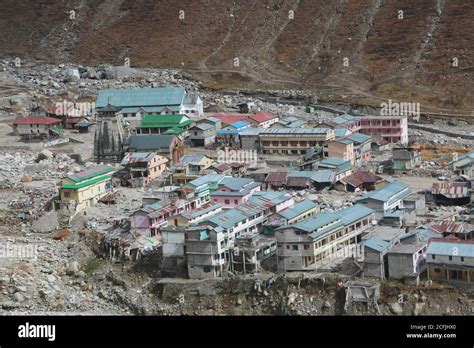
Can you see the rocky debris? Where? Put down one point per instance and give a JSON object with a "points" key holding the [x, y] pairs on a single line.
{"points": [[418, 308], [395, 308]]}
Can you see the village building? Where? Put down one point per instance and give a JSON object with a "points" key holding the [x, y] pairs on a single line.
{"points": [[290, 122], [341, 167], [165, 124], [405, 159], [341, 148], [376, 243], [463, 165], [235, 191], [252, 249], [392, 129], [212, 121], [407, 259], [229, 135], [360, 181], [43, 127], [459, 229], [133, 104], [249, 139], [362, 148], [317, 240], [298, 212], [173, 248], [375, 257], [206, 252], [189, 167], [349, 122], [276, 180], [143, 167], [263, 119], [150, 218], [293, 141], [451, 261], [390, 197], [86, 188], [202, 135], [451, 193], [188, 218], [169, 146]]}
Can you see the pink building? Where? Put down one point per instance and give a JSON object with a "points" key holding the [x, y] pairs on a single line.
{"points": [[393, 129], [235, 191], [343, 148], [148, 220]]}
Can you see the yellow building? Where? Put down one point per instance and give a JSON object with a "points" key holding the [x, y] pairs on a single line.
{"points": [[86, 188]]}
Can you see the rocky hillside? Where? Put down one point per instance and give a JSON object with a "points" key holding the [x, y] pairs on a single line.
{"points": [[343, 49]]}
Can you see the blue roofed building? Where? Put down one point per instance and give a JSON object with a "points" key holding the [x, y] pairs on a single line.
{"points": [[463, 165], [450, 260], [390, 197], [134, 103], [338, 165], [319, 240]]}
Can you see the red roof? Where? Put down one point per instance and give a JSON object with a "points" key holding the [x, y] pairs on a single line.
{"points": [[36, 120], [263, 117], [229, 118], [277, 177], [361, 177]]}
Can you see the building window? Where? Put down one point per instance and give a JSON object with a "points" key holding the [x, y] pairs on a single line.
{"points": [[306, 247], [450, 258], [295, 247], [288, 247], [206, 269], [226, 201], [433, 257], [236, 201], [67, 194], [437, 270], [462, 259]]}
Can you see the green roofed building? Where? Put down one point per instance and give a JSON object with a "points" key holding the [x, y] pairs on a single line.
{"points": [[165, 124], [85, 189]]}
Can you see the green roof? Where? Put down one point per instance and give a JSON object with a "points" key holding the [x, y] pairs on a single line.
{"points": [[90, 173], [57, 130], [165, 121], [86, 183], [174, 131]]}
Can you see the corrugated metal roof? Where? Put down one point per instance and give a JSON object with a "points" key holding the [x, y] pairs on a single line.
{"points": [[270, 131], [239, 124], [359, 138], [236, 184], [35, 120], [451, 189], [464, 249], [149, 142], [132, 157], [263, 117], [393, 190], [376, 244], [141, 97], [298, 209], [206, 179]]}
